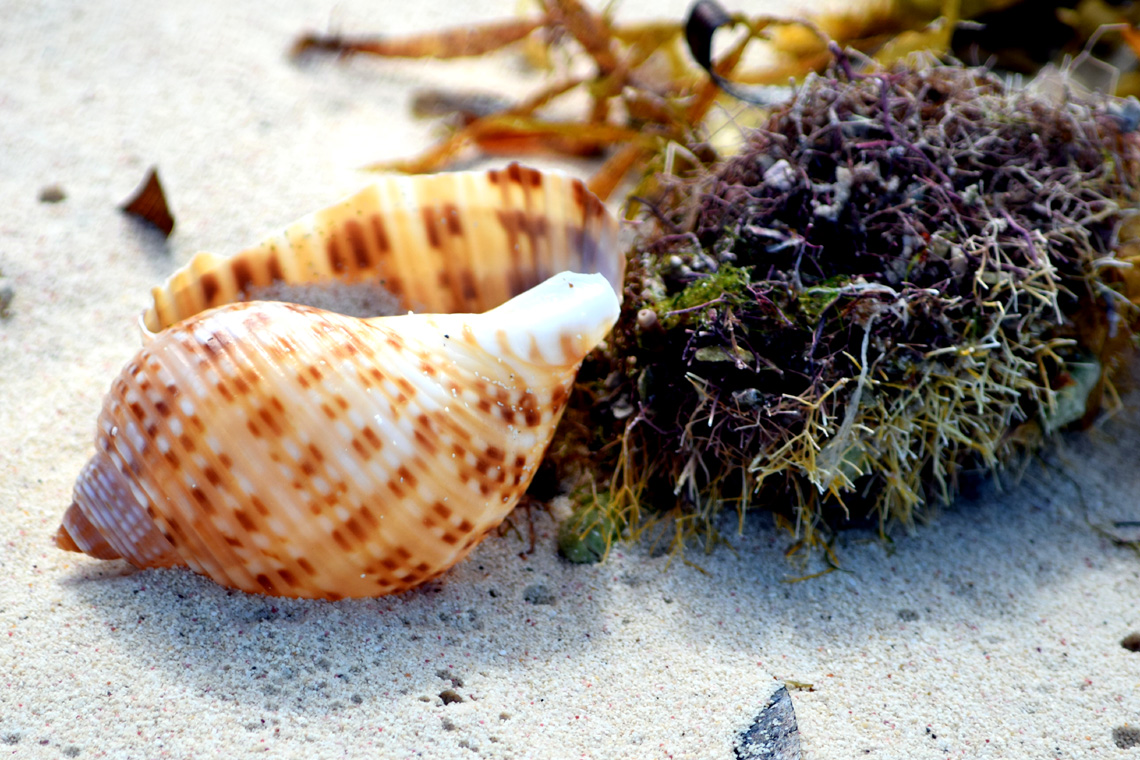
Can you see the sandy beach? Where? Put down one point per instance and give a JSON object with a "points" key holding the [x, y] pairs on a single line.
{"points": [[994, 630]]}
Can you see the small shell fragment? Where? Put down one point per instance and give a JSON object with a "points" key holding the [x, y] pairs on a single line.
{"points": [[149, 204]]}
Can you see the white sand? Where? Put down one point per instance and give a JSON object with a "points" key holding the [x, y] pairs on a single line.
{"points": [[993, 633]]}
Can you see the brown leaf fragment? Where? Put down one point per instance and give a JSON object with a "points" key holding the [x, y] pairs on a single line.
{"points": [[149, 204]]}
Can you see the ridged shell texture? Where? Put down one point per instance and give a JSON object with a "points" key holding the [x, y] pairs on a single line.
{"points": [[285, 450]]}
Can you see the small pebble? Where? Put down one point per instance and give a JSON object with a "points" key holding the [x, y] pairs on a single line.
{"points": [[7, 293], [647, 319], [537, 593], [52, 194]]}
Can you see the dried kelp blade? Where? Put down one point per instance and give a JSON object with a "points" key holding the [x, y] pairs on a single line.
{"points": [[633, 108], [149, 204], [705, 18], [459, 42], [630, 65], [513, 135]]}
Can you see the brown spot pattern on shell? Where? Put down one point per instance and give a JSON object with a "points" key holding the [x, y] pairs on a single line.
{"points": [[285, 450]]}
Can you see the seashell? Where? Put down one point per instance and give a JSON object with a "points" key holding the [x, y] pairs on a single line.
{"points": [[286, 450], [463, 242]]}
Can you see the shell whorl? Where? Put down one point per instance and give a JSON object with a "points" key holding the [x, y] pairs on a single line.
{"points": [[286, 450]]}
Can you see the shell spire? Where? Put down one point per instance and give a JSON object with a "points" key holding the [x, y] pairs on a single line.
{"points": [[286, 450]]}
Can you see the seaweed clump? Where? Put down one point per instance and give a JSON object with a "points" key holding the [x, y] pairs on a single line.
{"points": [[905, 277]]}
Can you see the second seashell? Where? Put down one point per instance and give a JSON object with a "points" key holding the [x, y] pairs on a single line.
{"points": [[463, 242], [285, 450]]}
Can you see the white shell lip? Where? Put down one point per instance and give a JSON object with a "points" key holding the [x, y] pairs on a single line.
{"points": [[566, 317]]}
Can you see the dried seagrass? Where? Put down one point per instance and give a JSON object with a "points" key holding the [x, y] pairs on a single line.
{"points": [[286, 450]]}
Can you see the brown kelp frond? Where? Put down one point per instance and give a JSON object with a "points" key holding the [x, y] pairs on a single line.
{"points": [[906, 278], [641, 90]]}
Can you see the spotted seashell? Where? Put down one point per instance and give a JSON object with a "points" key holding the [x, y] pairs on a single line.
{"points": [[463, 242], [285, 450]]}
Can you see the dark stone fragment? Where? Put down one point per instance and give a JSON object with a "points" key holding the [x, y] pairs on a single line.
{"points": [[908, 616], [1131, 642], [1126, 737], [537, 593], [774, 734], [449, 696], [7, 294], [52, 194]]}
